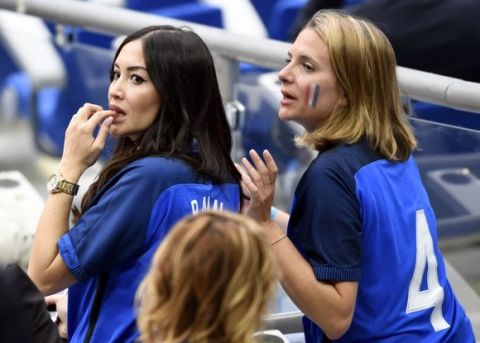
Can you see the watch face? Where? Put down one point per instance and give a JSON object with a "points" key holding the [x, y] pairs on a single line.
{"points": [[52, 182]]}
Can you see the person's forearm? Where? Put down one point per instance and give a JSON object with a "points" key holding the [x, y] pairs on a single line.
{"points": [[329, 305], [52, 225], [81, 149]]}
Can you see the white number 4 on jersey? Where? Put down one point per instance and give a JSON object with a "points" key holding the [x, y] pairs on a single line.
{"points": [[419, 300]]}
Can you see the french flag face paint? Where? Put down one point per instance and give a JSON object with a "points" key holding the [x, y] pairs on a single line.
{"points": [[312, 94]]}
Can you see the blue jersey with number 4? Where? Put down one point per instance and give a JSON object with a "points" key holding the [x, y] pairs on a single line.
{"points": [[358, 217]]}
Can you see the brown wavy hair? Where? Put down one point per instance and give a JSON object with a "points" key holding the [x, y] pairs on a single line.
{"points": [[191, 124], [364, 64], [210, 281]]}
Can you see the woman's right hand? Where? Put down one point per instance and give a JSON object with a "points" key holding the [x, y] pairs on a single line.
{"points": [[81, 148], [258, 181]]}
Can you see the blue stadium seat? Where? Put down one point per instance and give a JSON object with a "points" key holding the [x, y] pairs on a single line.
{"points": [[445, 115], [14, 79], [264, 9], [7, 66], [261, 128], [21, 85], [81, 35], [147, 5], [196, 13], [88, 80], [283, 18], [100, 40], [279, 16], [188, 10]]}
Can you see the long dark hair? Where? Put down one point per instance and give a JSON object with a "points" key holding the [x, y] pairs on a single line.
{"points": [[191, 124]]}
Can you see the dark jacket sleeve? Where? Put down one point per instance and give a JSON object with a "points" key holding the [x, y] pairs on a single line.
{"points": [[23, 313], [430, 35]]}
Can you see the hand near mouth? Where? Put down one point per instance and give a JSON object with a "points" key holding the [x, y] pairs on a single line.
{"points": [[116, 109], [81, 147]]}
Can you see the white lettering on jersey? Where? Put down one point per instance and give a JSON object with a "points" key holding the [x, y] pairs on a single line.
{"points": [[419, 300], [206, 205]]}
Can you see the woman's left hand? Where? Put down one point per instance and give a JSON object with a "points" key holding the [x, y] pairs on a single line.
{"points": [[258, 180], [60, 300]]}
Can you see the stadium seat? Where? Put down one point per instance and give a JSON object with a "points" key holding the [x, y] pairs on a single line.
{"points": [[7, 66], [279, 16], [147, 5], [283, 18], [100, 40], [88, 80], [188, 11], [193, 12], [8, 70], [445, 115], [37, 64], [17, 90], [264, 9]]}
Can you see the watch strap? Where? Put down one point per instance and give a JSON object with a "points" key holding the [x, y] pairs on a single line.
{"points": [[59, 184], [68, 187]]}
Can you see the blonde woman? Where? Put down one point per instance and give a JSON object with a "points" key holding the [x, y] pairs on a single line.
{"points": [[210, 281], [361, 256]]}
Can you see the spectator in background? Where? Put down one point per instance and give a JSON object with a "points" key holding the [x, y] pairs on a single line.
{"points": [[24, 317], [58, 303], [437, 36], [172, 159], [210, 281], [360, 257]]}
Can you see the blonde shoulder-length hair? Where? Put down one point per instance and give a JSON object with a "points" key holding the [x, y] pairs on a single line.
{"points": [[210, 281], [364, 63]]}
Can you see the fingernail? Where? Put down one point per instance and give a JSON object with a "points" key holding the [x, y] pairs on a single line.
{"points": [[108, 121]]}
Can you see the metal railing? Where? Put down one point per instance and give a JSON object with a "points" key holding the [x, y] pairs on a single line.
{"points": [[229, 48]]}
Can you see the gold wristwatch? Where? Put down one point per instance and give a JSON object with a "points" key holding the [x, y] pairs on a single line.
{"points": [[57, 183]]}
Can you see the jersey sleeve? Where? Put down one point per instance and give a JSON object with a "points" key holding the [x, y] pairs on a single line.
{"points": [[325, 224], [113, 230]]}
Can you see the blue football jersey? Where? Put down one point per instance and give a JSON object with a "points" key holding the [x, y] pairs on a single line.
{"points": [[359, 217], [118, 235]]}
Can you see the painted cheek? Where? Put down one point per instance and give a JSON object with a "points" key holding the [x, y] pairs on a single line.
{"points": [[312, 93]]}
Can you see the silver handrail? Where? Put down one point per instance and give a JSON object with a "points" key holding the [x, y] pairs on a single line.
{"points": [[287, 322], [416, 84]]}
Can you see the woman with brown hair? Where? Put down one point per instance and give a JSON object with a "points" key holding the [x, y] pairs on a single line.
{"points": [[210, 281]]}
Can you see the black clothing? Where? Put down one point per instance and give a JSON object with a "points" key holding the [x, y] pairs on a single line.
{"points": [[437, 36], [24, 317]]}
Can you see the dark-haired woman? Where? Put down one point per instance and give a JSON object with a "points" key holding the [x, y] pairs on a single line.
{"points": [[164, 105]]}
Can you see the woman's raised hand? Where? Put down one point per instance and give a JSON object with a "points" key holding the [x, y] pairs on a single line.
{"points": [[81, 148], [258, 181]]}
